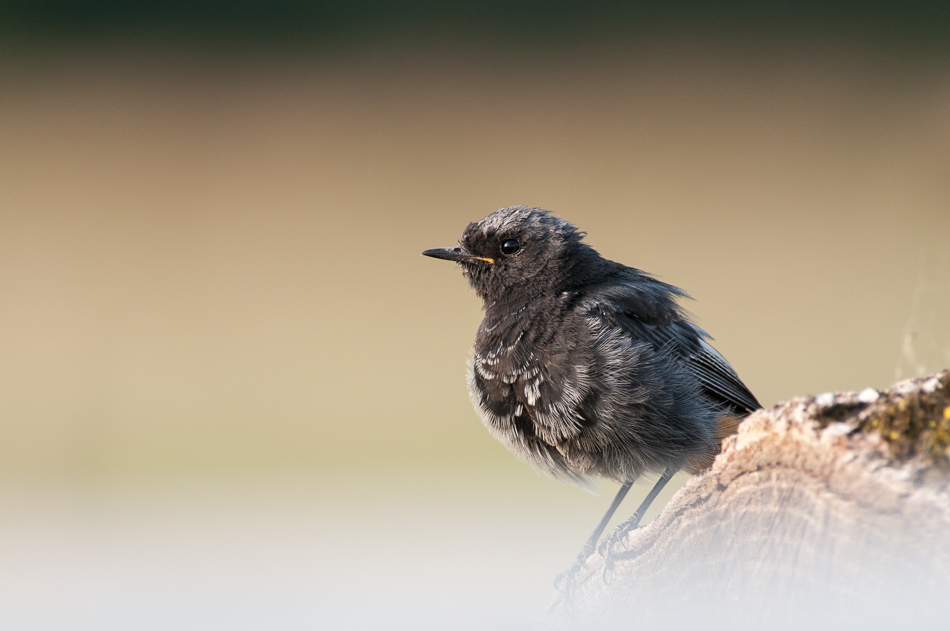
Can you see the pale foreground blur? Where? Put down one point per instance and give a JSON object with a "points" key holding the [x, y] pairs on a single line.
{"points": [[232, 392]]}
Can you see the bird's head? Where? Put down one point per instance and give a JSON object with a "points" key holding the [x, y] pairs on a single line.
{"points": [[520, 253]]}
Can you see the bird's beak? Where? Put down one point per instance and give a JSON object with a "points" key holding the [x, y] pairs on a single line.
{"points": [[456, 254]]}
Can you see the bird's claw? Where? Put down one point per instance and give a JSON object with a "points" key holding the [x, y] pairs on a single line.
{"points": [[608, 553], [565, 581]]}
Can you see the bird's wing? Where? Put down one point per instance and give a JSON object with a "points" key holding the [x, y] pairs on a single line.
{"points": [[647, 310], [720, 382]]}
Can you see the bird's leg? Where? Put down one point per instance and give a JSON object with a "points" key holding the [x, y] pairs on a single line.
{"points": [[634, 521], [592, 540], [567, 578]]}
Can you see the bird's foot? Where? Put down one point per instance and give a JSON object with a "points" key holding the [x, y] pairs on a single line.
{"points": [[565, 581], [612, 540]]}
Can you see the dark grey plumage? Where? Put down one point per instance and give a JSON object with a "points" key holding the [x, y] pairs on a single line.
{"points": [[586, 367]]}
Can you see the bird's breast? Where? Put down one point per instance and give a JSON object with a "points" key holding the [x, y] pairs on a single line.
{"points": [[502, 384], [523, 394]]}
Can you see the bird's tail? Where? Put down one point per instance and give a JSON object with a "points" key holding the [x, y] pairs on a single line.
{"points": [[726, 425]]}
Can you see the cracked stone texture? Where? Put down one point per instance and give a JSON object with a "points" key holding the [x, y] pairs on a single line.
{"points": [[827, 511]]}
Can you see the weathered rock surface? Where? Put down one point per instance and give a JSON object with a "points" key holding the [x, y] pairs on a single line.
{"points": [[830, 512]]}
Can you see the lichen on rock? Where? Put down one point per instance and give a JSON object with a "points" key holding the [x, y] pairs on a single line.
{"points": [[912, 418]]}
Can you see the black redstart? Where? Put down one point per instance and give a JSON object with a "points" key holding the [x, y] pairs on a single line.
{"points": [[585, 367]]}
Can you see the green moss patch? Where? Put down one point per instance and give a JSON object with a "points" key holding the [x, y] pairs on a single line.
{"points": [[914, 425]]}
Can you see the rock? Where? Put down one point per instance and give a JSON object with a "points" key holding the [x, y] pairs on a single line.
{"points": [[830, 512]]}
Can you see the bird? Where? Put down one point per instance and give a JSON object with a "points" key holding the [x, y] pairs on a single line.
{"points": [[586, 368]]}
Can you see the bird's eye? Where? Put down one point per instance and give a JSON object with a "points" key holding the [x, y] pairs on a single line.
{"points": [[510, 247]]}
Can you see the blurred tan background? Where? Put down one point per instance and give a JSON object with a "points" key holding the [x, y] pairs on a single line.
{"points": [[232, 393]]}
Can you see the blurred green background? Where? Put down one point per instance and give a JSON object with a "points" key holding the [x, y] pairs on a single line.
{"points": [[232, 393]]}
